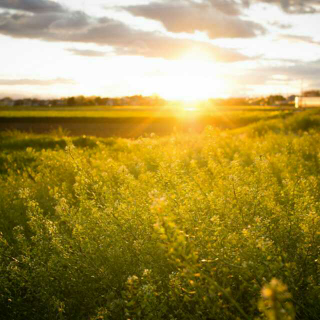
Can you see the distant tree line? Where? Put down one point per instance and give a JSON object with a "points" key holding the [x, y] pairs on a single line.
{"points": [[136, 100], [272, 100], [153, 101], [311, 93]]}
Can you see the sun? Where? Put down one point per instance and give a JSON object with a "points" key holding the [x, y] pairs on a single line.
{"points": [[191, 88], [192, 78]]}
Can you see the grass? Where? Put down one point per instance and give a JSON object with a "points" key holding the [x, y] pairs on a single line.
{"points": [[131, 122], [77, 114], [119, 112], [218, 225]]}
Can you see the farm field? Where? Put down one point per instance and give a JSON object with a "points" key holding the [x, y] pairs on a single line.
{"points": [[124, 111], [131, 122], [220, 224], [81, 112]]}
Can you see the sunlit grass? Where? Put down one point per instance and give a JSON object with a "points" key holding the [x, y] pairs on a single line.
{"points": [[180, 109], [219, 225]]}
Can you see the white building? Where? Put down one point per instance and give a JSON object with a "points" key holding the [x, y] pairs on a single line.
{"points": [[307, 102]]}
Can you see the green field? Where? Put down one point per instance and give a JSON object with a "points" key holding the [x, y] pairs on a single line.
{"points": [[132, 122], [120, 112], [218, 225], [78, 112]]}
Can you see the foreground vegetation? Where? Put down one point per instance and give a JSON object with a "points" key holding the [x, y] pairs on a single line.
{"points": [[222, 225]]}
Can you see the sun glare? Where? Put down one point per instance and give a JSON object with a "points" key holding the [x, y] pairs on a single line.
{"points": [[195, 78], [191, 88], [191, 78]]}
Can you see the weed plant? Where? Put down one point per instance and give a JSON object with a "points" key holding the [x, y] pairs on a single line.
{"points": [[222, 225]]}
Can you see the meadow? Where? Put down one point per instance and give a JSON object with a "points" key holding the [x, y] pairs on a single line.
{"points": [[222, 224], [132, 122], [81, 112], [124, 111]]}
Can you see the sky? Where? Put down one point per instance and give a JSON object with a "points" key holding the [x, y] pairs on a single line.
{"points": [[178, 49]]}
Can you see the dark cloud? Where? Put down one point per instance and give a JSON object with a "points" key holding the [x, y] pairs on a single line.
{"points": [[292, 6], [75, 26], [33, 82], [88, 53], [35, 6], [44, 25], [71, 21], [218, 18]]}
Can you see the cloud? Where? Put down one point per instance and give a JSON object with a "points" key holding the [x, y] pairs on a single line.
{"points": [[280, 25], [299, 38], [296, 71], [292, 6], [47, 25], [34, 82], [308, 72], [87, 53], [229, 7], [35, 6], [218, 18], [169, 48], [76, 26], [303, 70], [128, 41], [70, 21]]}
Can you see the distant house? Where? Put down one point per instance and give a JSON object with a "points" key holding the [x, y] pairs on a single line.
{"points": [[307, 102]]}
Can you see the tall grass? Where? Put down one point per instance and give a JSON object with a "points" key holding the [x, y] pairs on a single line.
{"points": [[223, 225]]}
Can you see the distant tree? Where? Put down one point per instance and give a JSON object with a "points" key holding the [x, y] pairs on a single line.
{"points": [[71, 101], [80, 100], [18, 102], [312, 93], [275, 98], [98, 101]]}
